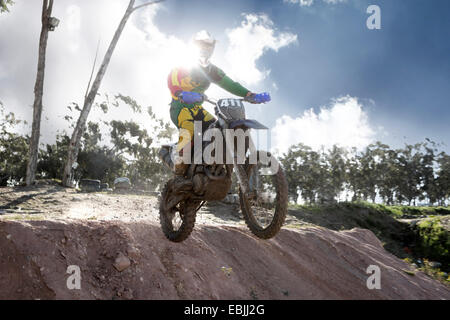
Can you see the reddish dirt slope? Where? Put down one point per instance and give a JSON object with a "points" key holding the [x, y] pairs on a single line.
{"points": [[216, 262]]}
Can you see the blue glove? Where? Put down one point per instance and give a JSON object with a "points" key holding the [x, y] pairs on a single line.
{"points": [[259, 98], [190, 97]]}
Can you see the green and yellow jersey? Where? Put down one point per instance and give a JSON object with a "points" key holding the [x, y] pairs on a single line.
{"points": [[198, 79]]}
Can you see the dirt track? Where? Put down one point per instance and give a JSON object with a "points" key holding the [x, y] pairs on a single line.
{"points": [[217, 262], [57, 203]]}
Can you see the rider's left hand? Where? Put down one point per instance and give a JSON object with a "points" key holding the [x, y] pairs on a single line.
{"points": [[257, 98]]}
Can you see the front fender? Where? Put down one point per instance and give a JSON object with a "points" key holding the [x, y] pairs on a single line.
{"points": [[247, 123]]}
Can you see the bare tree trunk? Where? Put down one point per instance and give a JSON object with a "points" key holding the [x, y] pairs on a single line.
{"points": [[38, 93], [72, 153]]}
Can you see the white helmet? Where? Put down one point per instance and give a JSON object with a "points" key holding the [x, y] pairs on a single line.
{"points": [[206, 44]]}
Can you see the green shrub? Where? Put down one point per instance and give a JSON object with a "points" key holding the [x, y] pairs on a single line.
{"points": [[434, 241]]}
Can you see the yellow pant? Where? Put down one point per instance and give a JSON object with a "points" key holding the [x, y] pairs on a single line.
{"points": [[186, 119]]}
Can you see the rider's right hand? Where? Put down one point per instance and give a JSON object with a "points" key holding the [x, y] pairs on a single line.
{"points": [[189, 97]]}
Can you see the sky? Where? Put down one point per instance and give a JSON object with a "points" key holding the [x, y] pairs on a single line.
{"points": [[332, 80]]}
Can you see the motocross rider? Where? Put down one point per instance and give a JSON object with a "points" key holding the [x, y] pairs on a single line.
{"points": [[187, 86]]}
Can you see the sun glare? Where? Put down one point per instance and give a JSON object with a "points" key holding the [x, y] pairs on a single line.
{"points": [[185, 55]]}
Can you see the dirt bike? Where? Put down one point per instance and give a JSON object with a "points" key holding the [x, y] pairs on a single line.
{"points": [[263, 195]]}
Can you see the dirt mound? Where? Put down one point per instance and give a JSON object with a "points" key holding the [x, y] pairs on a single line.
{"points": [[45, 229], [216, 262]]}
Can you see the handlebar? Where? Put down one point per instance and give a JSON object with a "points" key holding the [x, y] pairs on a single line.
{"points": [[253, 99], [209, 100], [215, 102]]}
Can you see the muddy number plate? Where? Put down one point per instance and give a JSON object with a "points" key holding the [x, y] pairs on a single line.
{"points": [[236, 103]]}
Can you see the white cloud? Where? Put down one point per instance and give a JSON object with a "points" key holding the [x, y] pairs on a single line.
{"points": [[73, 17], [248, 42], [344, 123], [308, 3], [70, 53], [302, 3], [334, 1], [139, 66]]}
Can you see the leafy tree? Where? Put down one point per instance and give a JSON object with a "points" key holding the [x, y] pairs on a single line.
{"points": [[335, 171], [442, 181], [5, 4], [403, 175], [129, 150], [387, 172], [51, 161], [13, 148], [141, 150], [354, 178], [410, 177], [303, 171], [47, 7], [92, 91], [427, 168], [124, 148], [292, 172], [369, 174], [110, 149]]}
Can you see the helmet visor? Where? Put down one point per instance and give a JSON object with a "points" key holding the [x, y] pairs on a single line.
{"points": [[205, 50]]}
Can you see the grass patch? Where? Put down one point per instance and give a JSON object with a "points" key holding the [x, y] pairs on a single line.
{"points": [[22, 217], [298, 226], [402, 211], [306, 208], [428, 239], [395, 235], [397, 211], [435, 273], [408, 272], [433, 241]]}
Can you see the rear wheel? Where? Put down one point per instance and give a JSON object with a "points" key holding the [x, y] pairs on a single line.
{"points": [[176, 214], [264, 207]]}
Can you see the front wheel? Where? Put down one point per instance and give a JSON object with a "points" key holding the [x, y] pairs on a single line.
{"points": [[176, 214], [264, 207]]}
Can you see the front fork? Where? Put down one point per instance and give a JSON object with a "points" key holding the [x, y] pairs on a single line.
{"points": [[247, 185]]}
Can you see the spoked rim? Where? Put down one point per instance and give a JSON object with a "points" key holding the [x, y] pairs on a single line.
{"points": [[261, 199], [177, 215], [264, 207]]}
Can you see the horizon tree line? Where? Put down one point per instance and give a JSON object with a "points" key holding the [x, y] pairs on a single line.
{"points": [[416, 173], [409, 175]]}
